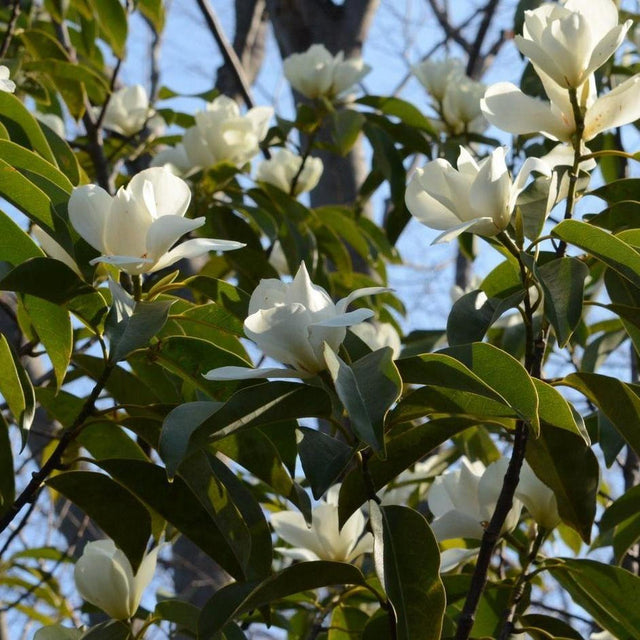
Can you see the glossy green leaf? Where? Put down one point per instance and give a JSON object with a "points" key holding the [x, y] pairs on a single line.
{"points": [[175, 502], [556, 411], [626, 189], [234, 599], [367, 390], [610, 594], [473, 315], [23, 127], [130, 325], [113, 21], [52, 324], [57, 632], [347, 125], [7, 479], [112, 630], [562, 282], [323, 459], [347, 623], [46, 278], [408, 562], [622, 519], [16, 388], [619, 401], [153, 10], [405, 111], [183, 614], [128, 525], [16, 246], [607, 248], [566, 464]]}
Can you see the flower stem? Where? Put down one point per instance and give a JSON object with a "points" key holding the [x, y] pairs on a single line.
{"points": [[137, 287]]}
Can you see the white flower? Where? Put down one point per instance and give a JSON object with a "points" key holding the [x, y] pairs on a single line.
{"points": [[509, 109], [104, 577], [127, 111], [136, 229], [461, 105], [173, 158], [323, 540], [53, 249], [291, 322], [568, 43], [377, 335], [221, 134], [602, 635], [539, 500], [477, 197], [434, 75], [54, 122], [281, 169], [5, 83], [316, 72], [463, 501]]}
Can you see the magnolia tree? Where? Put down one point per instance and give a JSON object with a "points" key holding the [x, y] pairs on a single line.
{"points": [[258, 399]]}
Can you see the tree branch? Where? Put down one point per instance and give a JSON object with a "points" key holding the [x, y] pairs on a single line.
{"points": [[11, 28]]}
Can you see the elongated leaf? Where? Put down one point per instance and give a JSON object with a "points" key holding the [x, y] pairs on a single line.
{"points": [[112, 630], [15, 245], [52, 324], [568, 466], [7, 479], [128, 525], [562, 281], [409, 571], [130, 325], [347, 125], [16, 388], [619, 401], [610, 594], [113, 21], [323, 459], [618, 190], [175, 502], [153, 10], [401, 109], [234, 599], [57, 632], [609, 249], [556, 411]]}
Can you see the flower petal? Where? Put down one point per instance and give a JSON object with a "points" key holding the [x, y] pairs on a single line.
{"points": [[614, 109], [194, 248], [170, 194], [164, 232], [89, 207], [245, 373]]}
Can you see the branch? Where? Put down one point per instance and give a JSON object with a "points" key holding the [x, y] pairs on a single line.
{"points": [[453, 33], [11, 28], [474, 64], [227, 51]]}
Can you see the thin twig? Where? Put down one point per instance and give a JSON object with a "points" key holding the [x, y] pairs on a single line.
{"points": [[11, 28]]}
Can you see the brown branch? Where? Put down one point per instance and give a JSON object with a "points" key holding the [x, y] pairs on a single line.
{"points": [[227, 51], [475, 62], [452, 33], [11, 28]]}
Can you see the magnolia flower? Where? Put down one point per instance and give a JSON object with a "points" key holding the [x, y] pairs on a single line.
{"points": [[53, 249], [127, 111], [478, 198], [602, 635], [568, 43], [316, 72], [104, 577], [434, 75], [54, 122], [509, 109], [323, 540], [292, 322], [377, 335], [173, 158], [5, 84], [283, 167], [539, 500], [136, 228], [221, 134], [452, 558], [463, 501], [461, 105]]}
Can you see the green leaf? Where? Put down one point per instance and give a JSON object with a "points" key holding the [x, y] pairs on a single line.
{"points": [[367, 390], [323, 459], [16, 388], [562, 281], [607, 248], [610, 594], [619, 401], [235, 599], [622, 518], [23, 128], [175, 502], [57, 632], [152, 10], [347, 125], [130, 325], [53, 327], [181, 613], [556, 411], [113, 21], [7, 480], [16, 246], [112, 630], [473, 314], [402, 451], [408, 562], [568, 466], [347, 623], [46, 278], [405, 111], [65, 157], [618, 190], [128, 525]]}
